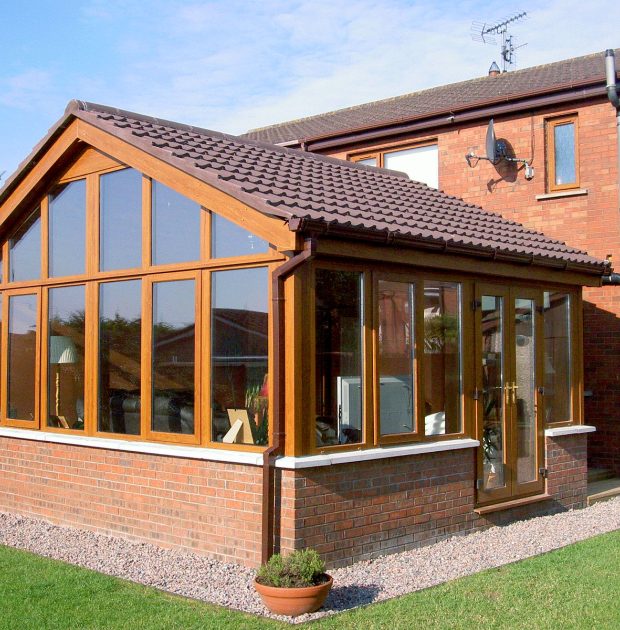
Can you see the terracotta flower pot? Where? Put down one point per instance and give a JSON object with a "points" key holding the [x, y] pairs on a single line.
{"points": [[294, 601]]}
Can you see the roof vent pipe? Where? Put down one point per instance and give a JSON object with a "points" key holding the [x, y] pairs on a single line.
{"points": [[494, 70], [614, 99]]}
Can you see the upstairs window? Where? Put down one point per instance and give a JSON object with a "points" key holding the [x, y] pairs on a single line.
{"points": [[562, 154], [421, 163]]}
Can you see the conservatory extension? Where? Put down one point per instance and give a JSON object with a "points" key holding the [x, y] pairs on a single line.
{"points": [[236, 348]]}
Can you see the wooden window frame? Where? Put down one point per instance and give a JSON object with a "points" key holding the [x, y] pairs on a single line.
{"points": [[91, 167], [550, 126]]}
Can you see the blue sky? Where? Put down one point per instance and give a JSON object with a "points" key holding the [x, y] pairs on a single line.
{"points": [[233, 65]]}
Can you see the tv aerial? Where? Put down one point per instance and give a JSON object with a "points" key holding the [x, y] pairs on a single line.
{"points": [[496, 151], [486, 33]]}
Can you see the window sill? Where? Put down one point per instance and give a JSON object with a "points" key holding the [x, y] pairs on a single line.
{"points": [[348, 457], [570, 430], [498, 507], [575, 192], [150, 448]]}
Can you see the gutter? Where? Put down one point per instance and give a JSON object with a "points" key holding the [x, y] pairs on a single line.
{"points": [[480, 110], [270, 454]]}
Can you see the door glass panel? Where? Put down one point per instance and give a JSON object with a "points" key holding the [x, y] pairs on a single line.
{"points": [[22, 357], [557, 364], [228, 239], [25, 250], [67, 229], [175, 225], [65, 386], [174, 343], [239, 356], [120, 323], [493, 375], [525, 395], [396, 357], [442, 358], [338, 358], [120, 220]]}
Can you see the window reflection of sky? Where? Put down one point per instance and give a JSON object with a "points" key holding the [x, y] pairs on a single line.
{"points": [[244, 289], [67, 229]]}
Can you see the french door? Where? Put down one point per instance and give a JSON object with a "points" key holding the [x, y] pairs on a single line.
{"points": [[509, 350]]}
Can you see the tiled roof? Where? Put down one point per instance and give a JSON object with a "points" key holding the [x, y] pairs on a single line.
{"points": [[569, 73], [314, 192]]}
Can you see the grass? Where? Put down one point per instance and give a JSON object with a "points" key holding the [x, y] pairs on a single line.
{"points": [[574, 587]]}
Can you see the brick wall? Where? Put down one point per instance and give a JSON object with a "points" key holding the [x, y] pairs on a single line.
{"points": [[589, 222], [359, 511], [207, 507]]}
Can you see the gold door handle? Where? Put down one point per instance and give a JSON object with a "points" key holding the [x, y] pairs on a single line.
{"points": [[515, 387], [508, 391]]}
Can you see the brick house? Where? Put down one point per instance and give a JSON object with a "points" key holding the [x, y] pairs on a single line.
{"points": [[428, 135], [221, 344]]}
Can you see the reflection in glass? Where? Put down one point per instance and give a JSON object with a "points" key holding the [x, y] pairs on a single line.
{"points": [[175, 225], [120, 323], [372, 161], [22, 353], [65, 385], [420, 163], [228, 239], [442, 358], [173, 360], [25, 249], [239, 356], [557, 364], [525, 365], [396, 357], [120, 220], [67, 229], [493, 411], [564, 144], [339, 387]]}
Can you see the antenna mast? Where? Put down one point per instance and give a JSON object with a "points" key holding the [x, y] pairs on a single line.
{"points": [[484, 32]]}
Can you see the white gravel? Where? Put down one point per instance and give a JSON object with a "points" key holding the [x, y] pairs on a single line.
{"points": [[230, 585]]}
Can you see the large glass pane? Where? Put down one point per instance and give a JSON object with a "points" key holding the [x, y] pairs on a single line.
{"points": [[120, 323], [22, 352], [420, 163], [25, 249], [67, 229], [558, 360], [120, 223], [525, 366], [173, 367], [371, 161], [564, 156], [338, 358], [175, 225], [239, 356], [65, 385], [228, 239], [442, 358], [396, 357], [493, 381]]}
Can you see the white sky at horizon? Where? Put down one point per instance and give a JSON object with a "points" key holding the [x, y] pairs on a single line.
{"points": [[240, 64]]}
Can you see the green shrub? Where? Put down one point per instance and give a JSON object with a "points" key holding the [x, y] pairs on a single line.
{"points": [[299, 569]]}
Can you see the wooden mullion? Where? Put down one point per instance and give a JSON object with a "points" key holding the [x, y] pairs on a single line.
{"points": [[92, 225], [205, 356], [91, 363], [147, 222], [146, 361], [205, 234], [4, 352], [45, 225], [44, 358], [368, 369]]}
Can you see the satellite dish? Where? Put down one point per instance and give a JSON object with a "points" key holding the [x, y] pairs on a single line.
{"points": [[491, 144]]}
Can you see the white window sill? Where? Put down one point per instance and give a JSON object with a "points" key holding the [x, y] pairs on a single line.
{"points": [[150, 448], [348, 457], [574, 430], [575, 192]]}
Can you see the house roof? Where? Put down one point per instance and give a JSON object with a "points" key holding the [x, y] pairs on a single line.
{"points": [[482, 91], [313, 193]]}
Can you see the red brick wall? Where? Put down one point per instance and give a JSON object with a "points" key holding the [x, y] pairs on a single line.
{"points": [[206, 507], [589, 222], [359, 511]]}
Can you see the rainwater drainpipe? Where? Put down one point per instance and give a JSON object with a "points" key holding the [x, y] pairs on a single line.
{"points": [[270, 454], [614, 99]]}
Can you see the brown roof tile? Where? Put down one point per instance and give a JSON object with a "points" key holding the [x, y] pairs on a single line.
{"points": [[485, 90], [316, 193]]}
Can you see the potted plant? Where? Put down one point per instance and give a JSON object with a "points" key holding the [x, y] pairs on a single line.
{"points": [[295, 584]]}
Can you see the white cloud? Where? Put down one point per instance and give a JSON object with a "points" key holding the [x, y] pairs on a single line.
{"points": [[27, 90]]}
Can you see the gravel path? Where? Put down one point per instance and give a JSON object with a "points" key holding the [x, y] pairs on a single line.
{"points": [[362, 583]]}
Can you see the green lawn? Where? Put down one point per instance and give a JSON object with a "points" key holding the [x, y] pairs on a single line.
{"points": [[575, 587]]}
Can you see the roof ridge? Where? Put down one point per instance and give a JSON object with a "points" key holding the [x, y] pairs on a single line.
{"points": [[86, 106], [416, 93]]}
